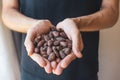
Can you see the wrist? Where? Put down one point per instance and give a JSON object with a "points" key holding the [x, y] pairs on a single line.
{"points": [[77, 22]]}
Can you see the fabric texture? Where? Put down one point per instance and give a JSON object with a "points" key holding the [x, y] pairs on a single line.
{"points": [[56, 11]]}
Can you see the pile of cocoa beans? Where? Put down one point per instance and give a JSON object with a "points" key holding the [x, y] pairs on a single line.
{"points": [[53, 45]]}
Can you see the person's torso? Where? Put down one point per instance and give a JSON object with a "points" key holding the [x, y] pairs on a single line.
{"points": [[56, 11]]}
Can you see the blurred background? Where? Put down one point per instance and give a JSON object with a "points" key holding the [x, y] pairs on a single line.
{"points": [[109, 54]]}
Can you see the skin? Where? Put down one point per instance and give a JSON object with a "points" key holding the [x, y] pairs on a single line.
{"points": [[106, 17]]}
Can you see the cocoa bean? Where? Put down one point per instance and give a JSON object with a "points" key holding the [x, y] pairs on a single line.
{"points": [[36, 50], [55, 33], [46, 37], [58, 48], [41, 43], [67, 51], [36, 40], [56, 43], [62, 54], [49, 50], [51, 57], [60, 39], [50, 42], [55, 51], [43, 53], [63, 44], [45, 56], [59, 30], [63, 35]]}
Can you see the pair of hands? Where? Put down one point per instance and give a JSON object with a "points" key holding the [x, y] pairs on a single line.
{"points": [[73, 33]]}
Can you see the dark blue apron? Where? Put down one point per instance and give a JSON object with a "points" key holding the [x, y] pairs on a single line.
{"points": [[56, 11]]}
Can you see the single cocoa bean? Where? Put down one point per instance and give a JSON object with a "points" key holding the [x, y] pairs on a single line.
{"points": [[45, 56], [45, 44], [60, 39], [63, 35], [62, 54], [63, 44], [43, 53], [50, 35], [39, 37], [55, 33], [36, 40], [56, 43], [50, 42], [51, 57], [59, 30], [58, 48], [36, 50], [44, 48], [55, 51], [67, 51], [41, 43], [70, 45], [46, 37], [35, 43], [49, 50]]}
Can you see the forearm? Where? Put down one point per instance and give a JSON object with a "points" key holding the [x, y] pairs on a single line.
{"points": [[16, 21], [104, 18]]}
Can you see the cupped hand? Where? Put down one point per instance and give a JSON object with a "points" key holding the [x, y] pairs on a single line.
{"points": [[73, 33], [40, 27]]}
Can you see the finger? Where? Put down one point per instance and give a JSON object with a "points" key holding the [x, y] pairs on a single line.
{"points": [[38, 59], [48, 67], [30, 48], [58, 70], [29, 43], [67, 60], [76, 45], [60, 26], [58, 60], [54, 64]]}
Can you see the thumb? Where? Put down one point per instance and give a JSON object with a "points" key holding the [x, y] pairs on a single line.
{"points": [[76, 45], [29, 45], [30, 48]]}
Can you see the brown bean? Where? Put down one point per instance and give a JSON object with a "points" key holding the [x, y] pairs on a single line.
{"points": [[70, 45], [58, 48], [67, 51], [63, 44], [55, 51], [39, 37], [50, 42], [49, 50], [45, 56], [51, 57], [50, 35], [46, 37], [43, 53], [36, 50], [60, 39], [56, 43], [55, 33], [62, 54], [41, 43], [63, 34]]}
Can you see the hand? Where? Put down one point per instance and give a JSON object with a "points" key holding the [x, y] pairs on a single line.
{"points": [[73, 33], [40, 27]]}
